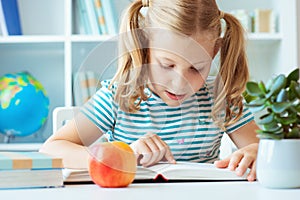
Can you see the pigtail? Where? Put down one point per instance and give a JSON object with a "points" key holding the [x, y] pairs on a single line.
{"points": [[233, 72], [130, 75]]}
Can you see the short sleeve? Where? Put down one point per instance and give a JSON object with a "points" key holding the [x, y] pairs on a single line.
{"points": [[99, 109], [246, 117]]}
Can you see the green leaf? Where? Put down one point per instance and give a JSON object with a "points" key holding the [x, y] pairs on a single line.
{"points": [[292, 91], [262, 87], [269, 135], [293, 76], [257, 108], [266, 119], [295, 88], [269, 84], [286, 120], [294, 133], [293, 109], [297, 108], [278, 84], [256, 102], [248, 98], [271, 127], [280, 106], [282, 96], [253, 89]]}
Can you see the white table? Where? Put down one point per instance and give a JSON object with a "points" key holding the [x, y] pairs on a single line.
{"points": [[161, 191]]}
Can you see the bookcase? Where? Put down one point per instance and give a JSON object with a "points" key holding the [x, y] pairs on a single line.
{"points": [[52, 51], [270, 54]]}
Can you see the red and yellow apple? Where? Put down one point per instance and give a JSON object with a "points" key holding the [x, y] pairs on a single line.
{"points": [[112, 164]]}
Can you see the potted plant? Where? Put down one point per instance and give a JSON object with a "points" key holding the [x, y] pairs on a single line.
{"points": [[278, 106]]}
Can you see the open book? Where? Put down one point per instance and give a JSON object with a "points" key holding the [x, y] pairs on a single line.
{"points": [[181, 171]]}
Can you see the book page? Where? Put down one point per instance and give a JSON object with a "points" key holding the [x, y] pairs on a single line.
{"points": [[195, 171], [178, 171], [76, 175], [82, 175], [146, 173]]}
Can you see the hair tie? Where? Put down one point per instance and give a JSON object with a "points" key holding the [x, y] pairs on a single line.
{"points": [[145, 3], [221, 14]]}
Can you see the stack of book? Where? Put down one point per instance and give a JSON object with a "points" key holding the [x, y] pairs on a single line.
{"points": [[96, 17], [30, 170]]}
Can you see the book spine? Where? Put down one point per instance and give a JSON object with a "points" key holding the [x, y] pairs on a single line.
{"points": [[28, 160], [264, 21], [81, 91], [11, 17], [110, 17], [256, 21], [92, 82], [2, 21], [79, 22], [84, 17], [100, 16], [92, 17]]}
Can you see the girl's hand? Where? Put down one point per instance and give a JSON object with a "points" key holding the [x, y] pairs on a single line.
{"points": [[240, 160], [152, 149]]}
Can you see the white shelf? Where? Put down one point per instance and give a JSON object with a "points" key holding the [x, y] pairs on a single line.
{"points": [[20, 147], [264, 36], [102, 38], [32, 39], [92, 38]]}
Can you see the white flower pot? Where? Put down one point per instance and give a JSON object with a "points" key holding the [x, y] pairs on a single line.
{"points": [[278, 163]]}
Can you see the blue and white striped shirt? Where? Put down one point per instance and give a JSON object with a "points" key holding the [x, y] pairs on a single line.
{"points": [[188, 129]]}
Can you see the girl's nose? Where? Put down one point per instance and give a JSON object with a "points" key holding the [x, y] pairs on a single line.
{"points": [[179, 81]]}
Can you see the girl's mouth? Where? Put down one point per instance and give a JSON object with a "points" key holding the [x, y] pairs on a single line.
{"points": [[174, 96]]}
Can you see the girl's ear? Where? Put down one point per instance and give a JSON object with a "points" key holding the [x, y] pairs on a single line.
{"points": [[217, 46]]}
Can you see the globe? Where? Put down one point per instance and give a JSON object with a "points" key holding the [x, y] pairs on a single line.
{"points": [[24, 104]]}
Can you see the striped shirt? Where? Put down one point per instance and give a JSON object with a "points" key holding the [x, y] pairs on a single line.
{"points": [[188, 129]]}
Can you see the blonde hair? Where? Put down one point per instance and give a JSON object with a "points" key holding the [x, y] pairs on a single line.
{"points": [[186, 17]]}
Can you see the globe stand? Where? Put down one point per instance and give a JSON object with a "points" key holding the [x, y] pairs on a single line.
{"points": [[8, 136]]}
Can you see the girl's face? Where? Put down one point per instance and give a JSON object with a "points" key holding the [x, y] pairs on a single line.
{"points": [[178, 67]]}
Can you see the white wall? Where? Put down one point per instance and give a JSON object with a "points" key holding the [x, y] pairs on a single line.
{"points": [[298, 31]]}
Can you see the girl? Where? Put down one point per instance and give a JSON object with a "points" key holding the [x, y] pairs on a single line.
{"points": [[161, 100]]}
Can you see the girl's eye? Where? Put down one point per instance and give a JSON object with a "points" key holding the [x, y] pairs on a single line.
{"points": [[166, 66], [194, 69]]}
